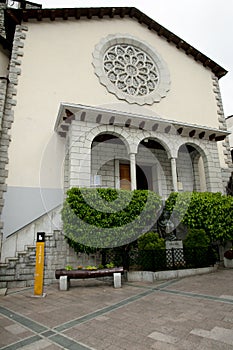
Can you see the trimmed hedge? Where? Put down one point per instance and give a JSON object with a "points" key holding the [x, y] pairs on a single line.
{"points": [[102, 218]]}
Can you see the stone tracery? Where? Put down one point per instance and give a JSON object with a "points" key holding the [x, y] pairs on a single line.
{"points": [[131, 70]]}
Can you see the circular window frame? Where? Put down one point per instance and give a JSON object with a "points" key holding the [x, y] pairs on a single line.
{"points": [[163, 85]]}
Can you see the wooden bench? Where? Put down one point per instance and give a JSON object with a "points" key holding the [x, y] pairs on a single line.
{"points": [[65, 276]]}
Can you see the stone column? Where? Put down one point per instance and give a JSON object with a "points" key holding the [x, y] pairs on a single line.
{"points": [[174, 174], [133, 171], [117, 173]]}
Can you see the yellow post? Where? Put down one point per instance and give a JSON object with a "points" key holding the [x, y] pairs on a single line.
{"points": [[39, 269]]}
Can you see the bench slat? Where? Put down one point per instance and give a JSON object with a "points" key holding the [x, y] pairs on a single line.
{"points": [[81, 274]]}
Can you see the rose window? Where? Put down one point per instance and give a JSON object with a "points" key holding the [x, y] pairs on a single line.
{"points": [[131, 69]]}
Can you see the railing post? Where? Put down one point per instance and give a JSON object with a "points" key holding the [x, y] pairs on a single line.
{"points": [[125, 259], [173, 258], [103, 253]]}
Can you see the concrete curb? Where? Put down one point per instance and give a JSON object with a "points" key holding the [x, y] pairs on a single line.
{"points": [[148, 276], [3, 291]]}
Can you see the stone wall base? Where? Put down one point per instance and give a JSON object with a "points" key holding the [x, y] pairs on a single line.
{"points": [[148, 276], [19, 271]]}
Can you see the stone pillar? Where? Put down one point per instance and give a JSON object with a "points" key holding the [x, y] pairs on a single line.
{"points": [[117, 173], [133, 171], [79, 157], [174, 174]]}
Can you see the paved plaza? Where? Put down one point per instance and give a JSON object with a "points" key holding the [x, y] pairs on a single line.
{"points": [[190, 313]]}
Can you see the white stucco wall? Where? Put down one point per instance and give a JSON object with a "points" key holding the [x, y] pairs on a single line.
{"points": [[57, 66]]}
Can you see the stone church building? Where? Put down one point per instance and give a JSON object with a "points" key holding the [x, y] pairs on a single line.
{"points": [[99, 97]]}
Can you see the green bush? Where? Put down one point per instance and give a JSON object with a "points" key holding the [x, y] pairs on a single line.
{"points": [[152, 252], [211, 212], [197, 250], [150, 241], [102, 218], [196, 238]]}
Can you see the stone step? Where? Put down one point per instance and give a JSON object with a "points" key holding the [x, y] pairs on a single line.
{"points": [[13, 259], [3, 265], [48, 235], [30, 247], [21, 253]]}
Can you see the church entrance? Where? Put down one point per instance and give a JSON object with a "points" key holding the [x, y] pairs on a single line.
{"points": [[143, 174]]}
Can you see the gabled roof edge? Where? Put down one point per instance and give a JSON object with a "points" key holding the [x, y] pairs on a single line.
{"points": [[25, 15]]}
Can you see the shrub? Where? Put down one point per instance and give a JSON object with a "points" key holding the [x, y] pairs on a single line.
{"points": [[196, 238], [150, 241], [102, 218], [152, 252], [211, 212], [197, 252]]}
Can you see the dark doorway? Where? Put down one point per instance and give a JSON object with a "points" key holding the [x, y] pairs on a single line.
{"points": [[144, 177]]}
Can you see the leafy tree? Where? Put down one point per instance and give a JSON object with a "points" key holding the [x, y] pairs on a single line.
{"points": [[212, 212]]}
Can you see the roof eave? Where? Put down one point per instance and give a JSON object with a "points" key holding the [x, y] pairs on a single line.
{"points": [[69, 111], [65, 13]]}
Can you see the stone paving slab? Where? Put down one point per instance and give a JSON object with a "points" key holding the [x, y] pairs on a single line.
{"points": [[185, 314]]}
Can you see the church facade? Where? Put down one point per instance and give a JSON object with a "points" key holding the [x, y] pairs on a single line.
{"points": [[102, 97]]}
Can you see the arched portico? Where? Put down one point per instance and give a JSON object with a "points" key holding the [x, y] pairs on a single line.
{"points": [[153, 157], [113, 166], [197, 169], [109, 156], [86, 128]]}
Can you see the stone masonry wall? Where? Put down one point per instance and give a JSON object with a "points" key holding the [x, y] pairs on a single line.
{"points": [[10, 102], [79, 168], [19, 271], [2, 27], [226, 172]]}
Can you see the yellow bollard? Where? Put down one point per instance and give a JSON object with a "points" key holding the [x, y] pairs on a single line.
{"points": [[39, 269]]}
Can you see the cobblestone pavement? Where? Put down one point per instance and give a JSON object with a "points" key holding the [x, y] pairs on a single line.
{"points": [[190, 313]]}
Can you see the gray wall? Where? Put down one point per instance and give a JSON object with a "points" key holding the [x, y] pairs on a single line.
{"points": [[25, 204]]}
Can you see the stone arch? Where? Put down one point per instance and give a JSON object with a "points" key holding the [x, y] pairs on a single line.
{"points": [[110, 148], [196, 166], [122, 134], [160, 138], [153, 157]]}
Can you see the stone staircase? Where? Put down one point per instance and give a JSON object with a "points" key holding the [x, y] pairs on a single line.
{"points": [[17, 266], [19, 252], [18, 271]]}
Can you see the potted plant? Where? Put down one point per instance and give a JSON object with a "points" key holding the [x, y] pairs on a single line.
{"points": [[228, 258]]}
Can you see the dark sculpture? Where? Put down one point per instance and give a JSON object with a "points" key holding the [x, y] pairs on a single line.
{"points": [[166, 227]]}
